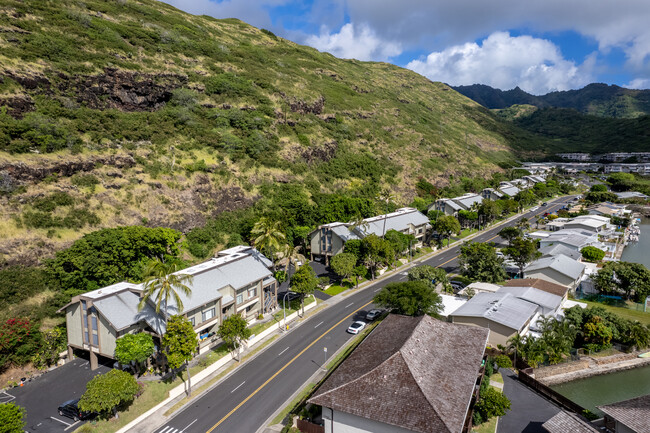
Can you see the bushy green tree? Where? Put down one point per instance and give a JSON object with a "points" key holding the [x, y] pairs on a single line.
{"points": [[53, 342], [411, 298], [430, 275], [446, 225], [353, 246], [599, 187], [522, 251], [490, 210], [479, 262], [621, 181], [375, 251], [492, 403], [358, 272], [503, 361], [108, 256], [343, 264], [179, 343], [11, 418], [134, 348], [592, 254], [304, 282], [509, 233], [108, 392], [233, 331], [631, 280]]}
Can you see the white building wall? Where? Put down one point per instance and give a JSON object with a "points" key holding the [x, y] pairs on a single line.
{"points": [[347, 423]]}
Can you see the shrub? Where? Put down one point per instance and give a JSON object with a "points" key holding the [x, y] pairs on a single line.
{"points": [[84, 180], [19, 340], [503, 361], [492, 403], [11, 418]]}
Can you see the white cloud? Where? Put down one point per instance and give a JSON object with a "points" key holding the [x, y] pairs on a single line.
{"points": [[354, 42], [504, 61], [639, 83]]}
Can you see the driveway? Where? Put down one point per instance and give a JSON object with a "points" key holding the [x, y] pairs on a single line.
{"points": [[528, 410], [42, 396]]}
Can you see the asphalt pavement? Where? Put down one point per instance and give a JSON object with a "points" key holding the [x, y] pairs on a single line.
{"points": [[244, 400], [42, 396]]}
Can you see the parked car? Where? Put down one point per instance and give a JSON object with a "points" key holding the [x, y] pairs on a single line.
{"points": [[71, 410], [373, 314], [544, 204], [457, 285], [356, 327]]}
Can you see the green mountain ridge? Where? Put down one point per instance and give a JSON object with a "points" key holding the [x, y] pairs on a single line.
{"points": [[133, 112]]}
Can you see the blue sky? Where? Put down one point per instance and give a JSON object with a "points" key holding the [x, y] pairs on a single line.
{"points": [[538, 45]]}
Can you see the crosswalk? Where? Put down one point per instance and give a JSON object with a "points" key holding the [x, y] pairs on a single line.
{"points": [[170, 429]]}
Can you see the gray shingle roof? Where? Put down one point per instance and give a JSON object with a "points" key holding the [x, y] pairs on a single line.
{"points": [[634, 413], [560, 263], [466, 201], [417, 373], [398, 220], [564, 422], [499, 307], [510, 190], [630, 194], [121, 310], [554, 250]]}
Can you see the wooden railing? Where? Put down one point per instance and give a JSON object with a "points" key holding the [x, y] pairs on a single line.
{"points": [[309, 427], [549, 393]]}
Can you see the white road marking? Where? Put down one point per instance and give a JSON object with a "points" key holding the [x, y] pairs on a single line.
{"points": [[189, 425], [238, 386], [350, 304], [378, 289], [62, 422], [318, 325], [6, 399], [283, 351], [165, 429], [71, 425]]}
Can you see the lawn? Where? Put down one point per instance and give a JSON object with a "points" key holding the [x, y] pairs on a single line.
{"points": [[622, 312]]}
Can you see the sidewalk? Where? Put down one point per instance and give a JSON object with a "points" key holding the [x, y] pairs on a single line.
{"points": [[156, 418]]}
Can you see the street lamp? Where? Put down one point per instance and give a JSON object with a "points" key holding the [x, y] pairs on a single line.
{"points": [[284, 308]]}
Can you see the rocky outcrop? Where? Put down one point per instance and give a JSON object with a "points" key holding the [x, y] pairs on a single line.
{"points": [[304, 107], [21, 172], [323, 153], [123, 90], [17, 106]]}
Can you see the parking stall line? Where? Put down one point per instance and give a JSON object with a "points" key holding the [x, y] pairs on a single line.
{"points": [[71, 425], [62, 422]]}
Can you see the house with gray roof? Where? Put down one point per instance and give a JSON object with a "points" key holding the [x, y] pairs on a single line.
{"points": [[446, 205], [564, 422], [411, 374], [558, 269], [631, 195], [572, 239], [629, 416], [491, 194], [591, 223], [236, 281], [466, 201], [510, 191], [504, 314], [557, 249], [329, 240], [548, 303]]}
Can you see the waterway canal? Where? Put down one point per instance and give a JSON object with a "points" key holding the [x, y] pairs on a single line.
{"points": [[608, 388], [639, 252]]}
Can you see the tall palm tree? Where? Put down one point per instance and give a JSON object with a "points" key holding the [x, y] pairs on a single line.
{"points": [[516, 343], [386, 197], [268, 237], [291, 256], [164, 283]]}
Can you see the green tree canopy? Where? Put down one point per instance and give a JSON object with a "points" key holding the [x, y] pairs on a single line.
{"points": [[430, 275], [108, 392], [164, 283], [522, 251], [179, 343], [599, 187], [357, 272], [11, 418], [375, 251], [479, 262], [592, 254], [304, 282], [492, 403], [509, 233], [134, 347], [233, 331], [343, 264], [353, 246], [108, 256], [525, 197], [490, 210], [621, 181], [631, 280], [446, 225], [411, 298]]}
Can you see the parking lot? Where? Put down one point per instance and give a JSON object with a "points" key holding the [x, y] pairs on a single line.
{"points": [[42, 396]]}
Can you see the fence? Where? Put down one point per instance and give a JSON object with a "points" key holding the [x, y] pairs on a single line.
{"points": [[614, 301], [549, 393], [309, 427]]}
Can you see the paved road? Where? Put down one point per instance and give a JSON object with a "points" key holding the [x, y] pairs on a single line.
{"points": [[528, 411], [246, 399], [42, 396]]}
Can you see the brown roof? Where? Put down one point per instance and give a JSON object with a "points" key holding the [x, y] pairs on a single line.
{"points": [[634, 413], [538, 283], [417, 373], [565, 422]]}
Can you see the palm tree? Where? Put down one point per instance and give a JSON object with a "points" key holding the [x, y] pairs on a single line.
{"points": [[164, 283], [291, 256], [268, 237], [516, 343], [387, 197]]}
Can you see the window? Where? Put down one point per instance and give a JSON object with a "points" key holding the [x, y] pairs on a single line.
{"points": [[95, 340], [86, 336], [207, 315], [83, 305], [93, 319], [252, 292], [240, 298], [192, 321]]}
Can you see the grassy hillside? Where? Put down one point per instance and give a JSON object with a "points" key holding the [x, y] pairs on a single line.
{"points": [[133, 112], [595, 99]]}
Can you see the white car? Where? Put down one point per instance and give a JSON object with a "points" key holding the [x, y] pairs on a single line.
{"points": [[356, 327]]}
